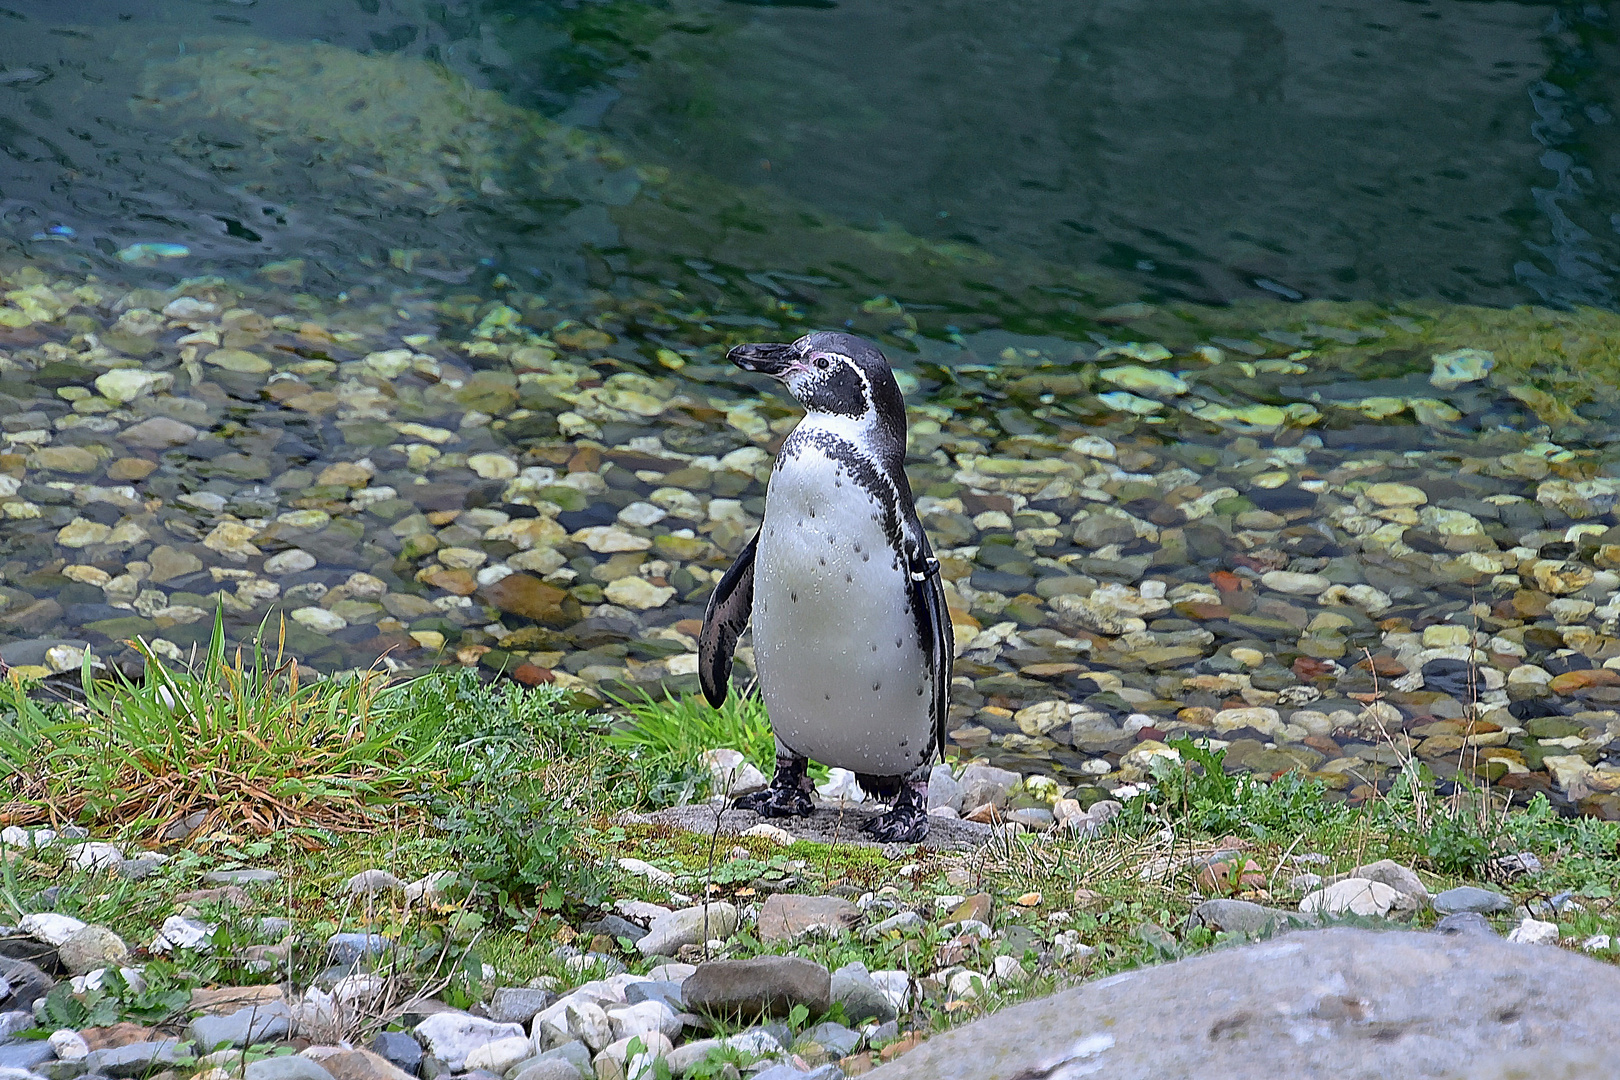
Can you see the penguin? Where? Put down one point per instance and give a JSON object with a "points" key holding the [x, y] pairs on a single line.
{"points": [[852, 638]]}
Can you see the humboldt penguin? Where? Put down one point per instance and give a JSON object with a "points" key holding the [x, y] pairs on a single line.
{"points": [[852, 639]]}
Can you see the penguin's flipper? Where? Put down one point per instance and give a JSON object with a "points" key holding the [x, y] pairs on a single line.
{"points": [[934, 630], [730, 606]]}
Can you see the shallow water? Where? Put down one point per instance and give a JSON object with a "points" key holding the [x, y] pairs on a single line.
{"points": [[406, 321]]}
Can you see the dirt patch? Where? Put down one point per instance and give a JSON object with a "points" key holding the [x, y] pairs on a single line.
{"points": [[826, 825]]}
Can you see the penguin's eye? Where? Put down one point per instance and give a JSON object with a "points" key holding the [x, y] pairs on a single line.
{"points": [[821, 362]]}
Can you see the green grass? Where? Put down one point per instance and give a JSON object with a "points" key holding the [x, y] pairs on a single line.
{"points": [[236, 738], [664, 739]]}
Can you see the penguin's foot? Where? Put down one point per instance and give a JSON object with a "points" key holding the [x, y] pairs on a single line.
{"points": [[775, 802], [902, 825], [788, 795], [907, 821]]}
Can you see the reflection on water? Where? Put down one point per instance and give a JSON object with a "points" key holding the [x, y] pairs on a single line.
{"points": [[405, 321], [1208, 149]]}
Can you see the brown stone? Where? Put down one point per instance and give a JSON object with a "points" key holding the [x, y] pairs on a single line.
{"points": [[976, 907], [35, 616], [234, 895], [361, 1065], [1530, 603], [120, 1034], [459, 582], [224, 1000], [528, 596], [857, 1064], [131, 468], [532, 674], [585, 459], [1572, 681], [1384, 666], [911, 1041], [787, 917]]}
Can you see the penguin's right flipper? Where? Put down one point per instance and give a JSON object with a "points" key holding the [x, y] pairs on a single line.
{"points": [[730, 607]]}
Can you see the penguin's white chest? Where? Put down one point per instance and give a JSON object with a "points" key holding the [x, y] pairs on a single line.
{"points": [[843, 674]]}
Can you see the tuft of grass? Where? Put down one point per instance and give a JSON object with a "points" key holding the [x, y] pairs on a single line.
{"points": [[241, 741], [663, 740]]}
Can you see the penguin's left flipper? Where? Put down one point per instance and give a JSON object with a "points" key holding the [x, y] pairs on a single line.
{"points": [[730, 607], [934, 631]]}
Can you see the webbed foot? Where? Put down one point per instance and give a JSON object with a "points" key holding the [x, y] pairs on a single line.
{"points": [[907, 821], [788, 795]]}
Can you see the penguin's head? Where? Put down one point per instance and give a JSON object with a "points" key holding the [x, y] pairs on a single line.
{"points": [[833, 373]]}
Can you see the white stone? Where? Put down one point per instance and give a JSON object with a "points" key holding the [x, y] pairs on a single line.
{"points": [[1534, 932], [965, 985], [731, 774], [1094, 446], [291, 561], [841, 786], [127, 384], [896, 986], [1286, 581], [49, 927], [319, 619], [69, 1045], [493, 466], [1357, 896], [499, 1055], [638, 594], [451, 1036], [95, 856], [647, 870], [766, 831], [179, 932], [645, 1018], [17, 836], [609, 539], [644, 514]]}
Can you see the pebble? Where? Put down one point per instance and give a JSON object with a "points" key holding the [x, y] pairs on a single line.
{"points": [[1353, 896], [765, 984], [1470, 898], [1534, 932], [688, 926]]}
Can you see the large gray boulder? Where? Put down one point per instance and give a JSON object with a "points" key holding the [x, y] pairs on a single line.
{"points": [[1346, 1003]]}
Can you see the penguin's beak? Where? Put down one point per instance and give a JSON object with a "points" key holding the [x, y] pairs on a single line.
{"points": [[767, 358]]}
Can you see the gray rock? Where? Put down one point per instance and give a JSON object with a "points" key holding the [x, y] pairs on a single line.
{"points": [[1243, 917], [987, 784], [136, 869], [368, 882], [765, 985], [943, 789], [656, 990], [852, 987], [398, 1049], [788, 1072], [1470, 898], [1465, 922], [573, 1053], [451, 1036], [836, 1039], [257, 1023], [90, 948], [26, 1055], [1347, 1003], [615, 927], [285, 1068], [688, 926], [28, 983], [553, 1069], [158, 433], [13, 1021], [240, 877], [518, 1004], [349, 948], [134, 1059], [1391, 873]]}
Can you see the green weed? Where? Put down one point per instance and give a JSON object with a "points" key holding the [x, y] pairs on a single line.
{"points": [[240, 741], [663, 740]]}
